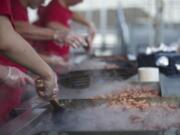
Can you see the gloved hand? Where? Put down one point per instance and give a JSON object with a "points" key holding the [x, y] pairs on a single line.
{"points": [[16, 78], [57, 61], [75, 40], [71, 39], [47, 89]]}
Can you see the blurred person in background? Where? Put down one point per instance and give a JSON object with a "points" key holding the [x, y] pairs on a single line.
{"points": [[34, 33], [13, 46], [57, 16]]}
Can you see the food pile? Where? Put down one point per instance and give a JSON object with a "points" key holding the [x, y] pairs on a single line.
{"points": [[136, 97]]}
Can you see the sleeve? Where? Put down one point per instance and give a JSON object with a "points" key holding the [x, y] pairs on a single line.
{"points": [[19, 13], [5, 8]]}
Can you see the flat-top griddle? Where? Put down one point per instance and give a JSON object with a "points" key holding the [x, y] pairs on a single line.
{"points": [[96, 115]]}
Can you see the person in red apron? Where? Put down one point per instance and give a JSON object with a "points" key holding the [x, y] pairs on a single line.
{"points": [[20, 16], [34, 33], [18, 50], [57, 15]]}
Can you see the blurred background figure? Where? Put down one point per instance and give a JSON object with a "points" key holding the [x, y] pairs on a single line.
{"points": [[34, 33], [141, 20], [58, 16]]}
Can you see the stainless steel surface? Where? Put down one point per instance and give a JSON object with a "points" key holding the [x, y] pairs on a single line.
{"points": [[22, 123], [89, 116], [170, 86]]}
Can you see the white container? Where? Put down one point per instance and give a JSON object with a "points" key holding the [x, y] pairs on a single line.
{"points": [[148, 74]]}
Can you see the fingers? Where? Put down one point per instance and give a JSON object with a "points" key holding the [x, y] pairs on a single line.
{"points": [[76, 41], [73, 44], [47, 89], [40, 88], [82, 41], [41, 94]]}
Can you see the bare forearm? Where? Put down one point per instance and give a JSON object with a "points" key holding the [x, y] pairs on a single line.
{"points": [[80, 19], [33, 32], [26, 56], [17, 49], [45, 58], [58, 27]]}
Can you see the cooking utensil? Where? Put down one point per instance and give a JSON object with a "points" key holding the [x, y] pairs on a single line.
{"points": [[75, 80], [82, 79], [56, 105]]}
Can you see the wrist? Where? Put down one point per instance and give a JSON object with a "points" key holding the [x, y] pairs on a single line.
{"points": [[49, 75], [52, 60], [59, 36]]}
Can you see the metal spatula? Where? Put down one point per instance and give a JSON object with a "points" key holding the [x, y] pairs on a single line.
{"points": [[56, 105]]}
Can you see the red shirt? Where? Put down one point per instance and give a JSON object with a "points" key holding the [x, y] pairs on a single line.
{"points": [[5, 9], [9, 98], [19, 12], [12, 8], [55, 12]]}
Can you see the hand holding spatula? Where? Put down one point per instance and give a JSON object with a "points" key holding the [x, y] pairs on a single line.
{"points": [[48, 93]]}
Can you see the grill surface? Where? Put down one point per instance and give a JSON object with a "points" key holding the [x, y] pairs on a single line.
{"points": [[90, 115]]}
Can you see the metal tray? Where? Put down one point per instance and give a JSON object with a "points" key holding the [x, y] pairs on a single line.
{"points": [[83, 79]]}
